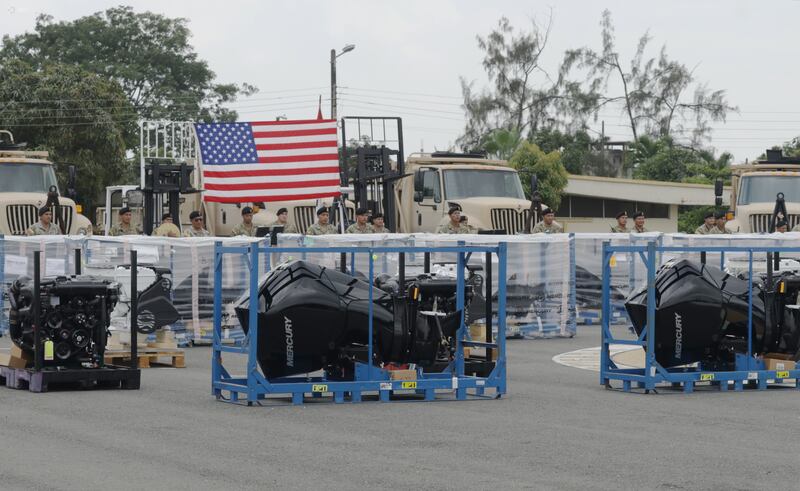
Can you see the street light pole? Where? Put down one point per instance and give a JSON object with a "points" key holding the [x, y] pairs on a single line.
{"points": [[346, 49]]}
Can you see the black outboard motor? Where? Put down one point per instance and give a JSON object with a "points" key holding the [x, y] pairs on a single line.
{"points": [[311, 317], [702, 316]]}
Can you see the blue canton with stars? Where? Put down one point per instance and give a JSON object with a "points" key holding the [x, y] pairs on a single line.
{"points": [[226, 143]]}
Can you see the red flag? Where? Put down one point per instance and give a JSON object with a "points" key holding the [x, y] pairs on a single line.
{"points": [[319, 111]]}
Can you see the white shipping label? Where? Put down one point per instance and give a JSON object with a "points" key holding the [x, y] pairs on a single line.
{"points": [[17, 265], [55, 266]]}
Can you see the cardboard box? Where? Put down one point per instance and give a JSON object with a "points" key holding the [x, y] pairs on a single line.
{"points": [[403, 375], [17, 352], [771, 362]]}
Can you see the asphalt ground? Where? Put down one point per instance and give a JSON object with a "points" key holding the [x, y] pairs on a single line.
{"points": [[556, 429]]}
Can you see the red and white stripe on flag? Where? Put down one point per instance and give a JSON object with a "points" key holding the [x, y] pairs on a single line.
{"points": [[269, 161]]}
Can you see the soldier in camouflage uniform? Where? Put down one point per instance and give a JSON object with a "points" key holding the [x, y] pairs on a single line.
{"points": [[709, 226], [781, 226], [720, 223], [283, 221], [167, 227], [196, 230], [124, 227], [361, 226], [377, 224], [454, 225], [548, 225], [465, 222], [622, 223], [638, 223], [45, 225], [322, 227], [246, 227]]}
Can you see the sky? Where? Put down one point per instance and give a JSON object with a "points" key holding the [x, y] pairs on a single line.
{"points": [[410, 55]]}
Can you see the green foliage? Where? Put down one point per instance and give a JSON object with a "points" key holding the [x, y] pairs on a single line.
{"points": [[529, 160], [663, 160], [579, 152], [501, 144], [79, 117], [148, 54]]}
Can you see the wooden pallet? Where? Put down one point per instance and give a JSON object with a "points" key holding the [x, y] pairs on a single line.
{"points": [[148, 357]]}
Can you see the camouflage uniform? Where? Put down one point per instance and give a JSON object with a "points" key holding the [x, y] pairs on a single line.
{"points": [[167, 230], [448, 228], [619, 229], [358, 229], [39, 229], [242, 229], [706, 230], [288, 228], [317, 229], [543, 228], [120, 229], [193, 232], [724, 230], [639, 230], [382, 230]]}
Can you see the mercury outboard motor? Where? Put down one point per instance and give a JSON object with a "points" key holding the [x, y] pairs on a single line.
{"points": [[311, 318], [702, 315]]}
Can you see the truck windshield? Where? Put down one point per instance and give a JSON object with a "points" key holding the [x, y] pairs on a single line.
{"points": [[26, 178], [474, 183], [764, 189]]}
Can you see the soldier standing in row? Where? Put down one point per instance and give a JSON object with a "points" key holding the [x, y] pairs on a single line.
{"points": [[167, 228], [196, 230], [453, 226], [45, 225], [709, 226], [283, 221], [548, 225], [781, 226], [124, 227], [720, 220], [378, 225], [361, 226], [246, 227], [322, 227], [638, 223], [622, 223]]}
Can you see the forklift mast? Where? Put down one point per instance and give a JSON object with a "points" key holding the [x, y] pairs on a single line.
{"points": [[163, 179], [373, 161]]}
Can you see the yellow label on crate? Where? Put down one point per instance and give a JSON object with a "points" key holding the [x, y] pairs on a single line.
{"points": [[48, 350], [613, 261], [706, 376], [319, 388], [408, 385], [783, 374]]}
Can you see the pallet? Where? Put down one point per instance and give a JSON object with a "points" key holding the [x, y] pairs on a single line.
{"points": [[148, 357], [108, 377]]}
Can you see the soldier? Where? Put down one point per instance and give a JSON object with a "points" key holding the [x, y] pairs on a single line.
{"points": [[196, 230], [45, 225], [781, 226], [638, 223], [548, 225], [124, 227], [246, 227], [453, 226], [378, 226], [720, 220], [622, 223], [360, 226], [322, 227], [282, 221], [465, 222], [167, 227], [709, 226]]}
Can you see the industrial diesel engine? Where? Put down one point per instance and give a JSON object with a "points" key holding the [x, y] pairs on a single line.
{"points": [[74, 316], [311, 318], [701, 315]]}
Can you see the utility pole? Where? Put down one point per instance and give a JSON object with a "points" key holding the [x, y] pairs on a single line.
{"points": [[346, 49], [603, 142]]}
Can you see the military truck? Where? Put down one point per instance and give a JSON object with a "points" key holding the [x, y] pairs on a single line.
{"points": [[28, 182], [754, 189]]}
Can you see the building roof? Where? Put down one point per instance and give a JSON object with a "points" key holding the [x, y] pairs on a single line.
{"points": [[671, 193]]}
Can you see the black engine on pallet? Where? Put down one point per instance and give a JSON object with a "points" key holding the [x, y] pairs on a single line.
{"points": [[74, 315]]}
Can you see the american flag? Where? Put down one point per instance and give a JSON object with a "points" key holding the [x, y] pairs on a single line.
{"points": [[269, 161]]}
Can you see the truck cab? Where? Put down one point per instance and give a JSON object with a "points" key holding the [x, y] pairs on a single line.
{"points": [[488, 191], [755, 188]]}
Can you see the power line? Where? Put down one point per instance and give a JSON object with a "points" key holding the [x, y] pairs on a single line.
{"points": [[402, 99], [403, 93]]}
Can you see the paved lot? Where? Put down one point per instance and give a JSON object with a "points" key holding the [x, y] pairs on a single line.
{"points": [[558, 429]]}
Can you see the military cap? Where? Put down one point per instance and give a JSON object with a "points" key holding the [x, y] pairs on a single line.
{"points": [[453, 210], [548, 211], [194, 214], [710, 214], [166, 216], [622, 214], [282, 210], [719, 214], [638, 214], [124, 210], [43, 210], [361, 211], [322, 210], [247, 210]]}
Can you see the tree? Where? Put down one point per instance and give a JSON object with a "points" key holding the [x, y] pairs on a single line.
{"points": [[663, 160], [579, 152], [652, 91], [79, 117], [148, 54], [522, 93], [548, 169], [502, 144]]}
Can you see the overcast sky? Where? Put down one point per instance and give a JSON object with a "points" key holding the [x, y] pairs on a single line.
{"points": [[410, 54]]}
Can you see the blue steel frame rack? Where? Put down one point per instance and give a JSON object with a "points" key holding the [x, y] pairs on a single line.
{"points": [[749, 368], [369, 379]]}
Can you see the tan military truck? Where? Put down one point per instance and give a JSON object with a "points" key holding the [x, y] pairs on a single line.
{"points": [[755, 188], [26, 178]]}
